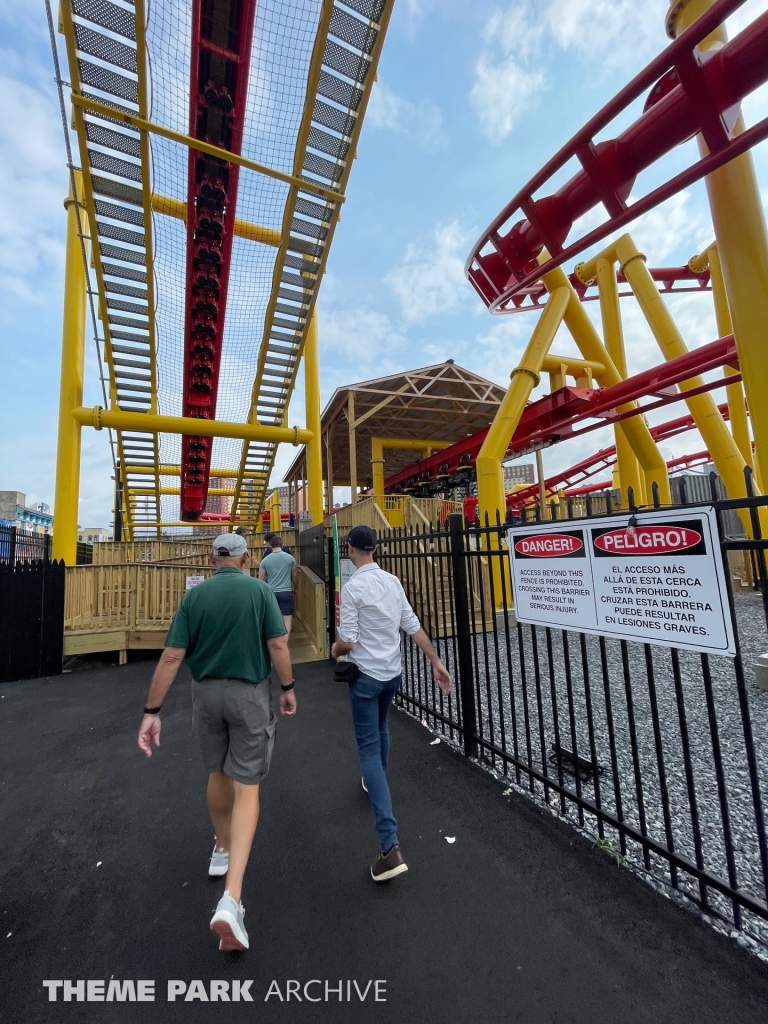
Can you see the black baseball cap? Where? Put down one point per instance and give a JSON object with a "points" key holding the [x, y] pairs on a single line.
{"points": [[362, 537]]}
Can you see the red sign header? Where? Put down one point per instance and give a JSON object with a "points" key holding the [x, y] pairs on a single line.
{"points": [[548, 545], [648, 539]]}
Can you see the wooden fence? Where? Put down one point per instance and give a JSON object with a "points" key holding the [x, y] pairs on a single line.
{"points": [[194, 551]]}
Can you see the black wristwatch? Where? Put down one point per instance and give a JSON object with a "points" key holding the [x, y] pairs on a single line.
{"points": [[290, 686], [152, 711]]}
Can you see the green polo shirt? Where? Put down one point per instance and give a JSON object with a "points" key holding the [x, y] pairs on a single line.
{"points": [[225, 623]]}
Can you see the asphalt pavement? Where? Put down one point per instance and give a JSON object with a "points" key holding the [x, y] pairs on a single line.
{"points": [[519, 919]]}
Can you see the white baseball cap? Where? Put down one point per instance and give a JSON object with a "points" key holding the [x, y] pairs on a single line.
{"points": [[230, 545]]}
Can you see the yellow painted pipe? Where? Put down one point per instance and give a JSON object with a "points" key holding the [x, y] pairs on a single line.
{"points": [[490, 476], [710, 424], [143, 125], [628, 467], [66, 495], [275, 522], [410, 444], [176, 471], [591, 347], [742, 242], [118, 420], [243, 228], [737, 409], [573, 367], [314, 459]]}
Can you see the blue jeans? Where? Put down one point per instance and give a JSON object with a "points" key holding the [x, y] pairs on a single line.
{"points": [[371, 700]]}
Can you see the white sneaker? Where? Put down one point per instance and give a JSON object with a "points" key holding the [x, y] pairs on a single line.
{"points": [[227, 922], [365, 788], [219, 863]]}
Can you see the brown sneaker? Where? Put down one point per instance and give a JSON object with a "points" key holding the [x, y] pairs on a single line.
{"points": [[388, 865]]}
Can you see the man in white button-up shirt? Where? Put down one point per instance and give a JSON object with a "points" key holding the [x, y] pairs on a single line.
{"points": [[374, 609]]}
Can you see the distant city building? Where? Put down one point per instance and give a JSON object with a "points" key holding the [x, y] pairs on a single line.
{"points": [[220, 504], [92, 535], [14, 510], [518, 474], [283, 492]]}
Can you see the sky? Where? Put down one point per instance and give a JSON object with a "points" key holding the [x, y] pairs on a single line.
{"points": [[471, 100]]}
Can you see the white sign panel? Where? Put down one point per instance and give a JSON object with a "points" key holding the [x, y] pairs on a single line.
{"points": [[194, 581], [346, 571], [659, 579]]}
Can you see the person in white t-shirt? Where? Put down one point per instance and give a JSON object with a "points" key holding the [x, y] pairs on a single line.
{"points": [[374, 609]]}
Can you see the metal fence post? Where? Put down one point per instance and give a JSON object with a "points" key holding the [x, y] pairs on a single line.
{"points": [[463, 635]]}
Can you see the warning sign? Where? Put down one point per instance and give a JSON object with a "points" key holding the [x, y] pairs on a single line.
{"points": [[654, 577]]}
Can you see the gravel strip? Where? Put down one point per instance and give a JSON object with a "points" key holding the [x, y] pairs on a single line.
{"points": [[517, 716]]}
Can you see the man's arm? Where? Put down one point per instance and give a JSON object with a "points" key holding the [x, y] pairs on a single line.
{"points": [[164, 674], [439, 671], [348, 632], [281, 659], [262, 573]]}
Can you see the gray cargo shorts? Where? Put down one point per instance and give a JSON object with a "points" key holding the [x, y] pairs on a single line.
{"points": [[235, 725]]}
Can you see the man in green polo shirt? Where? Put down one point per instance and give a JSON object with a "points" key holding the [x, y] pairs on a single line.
{"points": [[231, 632]]}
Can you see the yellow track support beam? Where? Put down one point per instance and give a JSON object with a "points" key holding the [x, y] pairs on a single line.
{"points": [[613, 334], [100, 418], [176, 471], [67, 491], [275, 522], [710, 424], [408, 444], [243, 228], [560, 367], [591, 347], [142, 125], [737, 408], [524, 378], [742, 242], [312, 400]]}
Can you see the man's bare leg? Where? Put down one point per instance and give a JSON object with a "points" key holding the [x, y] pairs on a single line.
{"points": [[245, 815], [288, 623], [221, 797]]}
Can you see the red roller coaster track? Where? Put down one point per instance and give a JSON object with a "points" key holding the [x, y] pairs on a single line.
{"points": [[222, 32], [690, 95], [552, 418]]}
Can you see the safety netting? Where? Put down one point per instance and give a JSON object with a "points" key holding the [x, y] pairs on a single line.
{"points": [[284, 36]]}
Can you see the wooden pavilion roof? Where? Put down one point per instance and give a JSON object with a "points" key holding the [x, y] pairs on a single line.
{"points": [[444, 402]]}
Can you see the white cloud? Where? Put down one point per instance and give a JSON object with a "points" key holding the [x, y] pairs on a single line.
{"points": [[430, 278], [517, 42], [388, 110], [32, 155], [360, 336]]}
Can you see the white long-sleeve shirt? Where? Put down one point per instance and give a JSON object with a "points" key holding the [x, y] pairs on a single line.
{"points": [[374, 609]]}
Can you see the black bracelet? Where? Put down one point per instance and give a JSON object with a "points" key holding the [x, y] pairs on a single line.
{"points": [[152, 711], [285, 689]]}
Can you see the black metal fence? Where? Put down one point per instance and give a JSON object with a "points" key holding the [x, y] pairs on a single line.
{"points": [[19, 545], [31, 619], [660, 754], [312, 553]]}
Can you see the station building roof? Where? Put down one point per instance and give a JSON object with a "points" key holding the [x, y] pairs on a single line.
{"points": [[444, 402]]}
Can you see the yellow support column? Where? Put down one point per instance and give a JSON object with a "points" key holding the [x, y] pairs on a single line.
{"points": [[591, 347], [628, 466], [737, 214], [410, 444], [275, 521], [67, 491], [710, 424], [737, 409], [490, 476], [312, 401]]}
